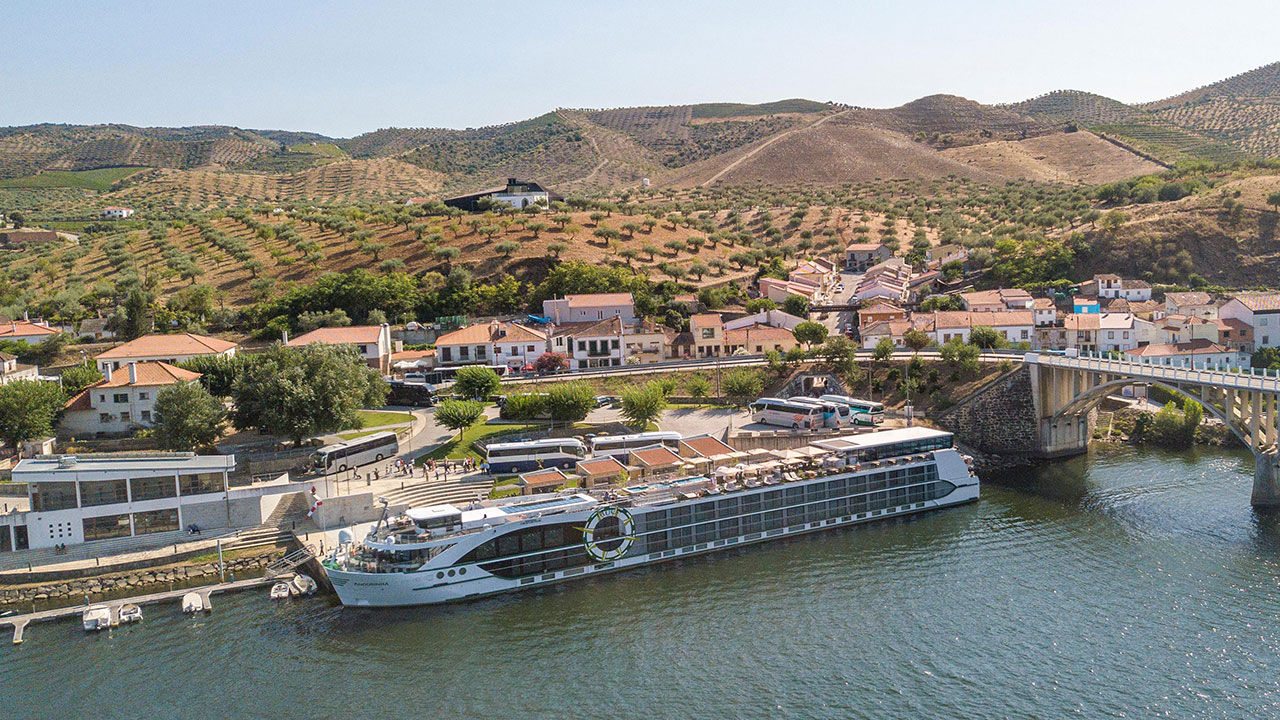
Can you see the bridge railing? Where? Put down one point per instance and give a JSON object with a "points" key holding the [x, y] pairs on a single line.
{"points": [[1240, 379]]}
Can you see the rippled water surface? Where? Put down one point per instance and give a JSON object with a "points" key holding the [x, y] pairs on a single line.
{"points": [[1130, 583]]}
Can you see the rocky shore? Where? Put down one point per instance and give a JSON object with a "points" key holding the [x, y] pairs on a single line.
{"points": [[123, 584]]}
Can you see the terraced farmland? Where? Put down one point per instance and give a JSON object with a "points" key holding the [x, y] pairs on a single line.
{"points": [[1170, 144], [1249, 125]]}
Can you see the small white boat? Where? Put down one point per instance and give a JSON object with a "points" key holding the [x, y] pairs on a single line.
{"points": [[281, 590], [303, 585], [130, 613], [192, 603], [96, 617]]}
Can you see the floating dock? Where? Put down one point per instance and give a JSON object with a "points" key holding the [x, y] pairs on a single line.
{"points": [[20, 622]]}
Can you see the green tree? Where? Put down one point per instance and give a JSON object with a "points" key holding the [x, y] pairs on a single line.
{"points": [[883, 350], [507, 247], [916, 339], [697, 386], [1274, 201], [217, 372], [643, 405], [79, 377], [28, 409], [187, 417], [555, 248], [810, 333], [570, 402], [796, 305], [476, 382], [986, 338], [133, 319], [742, 385], [760, 305], [459, 415], [298, 392], [1113, 221], [524, 406]]}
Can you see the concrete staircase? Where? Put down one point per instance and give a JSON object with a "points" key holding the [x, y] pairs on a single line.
{"points": [[291, 508], [440, 492], [261, 536]]}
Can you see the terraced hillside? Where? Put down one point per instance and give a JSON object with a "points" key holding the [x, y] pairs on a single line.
{"points": [[1263, 82], [1169, 143], [1074, 106], [28, 150], [950, 120], [1249, 125]]}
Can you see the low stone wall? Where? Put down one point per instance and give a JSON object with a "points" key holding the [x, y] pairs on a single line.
{"points": [[125, 584]]}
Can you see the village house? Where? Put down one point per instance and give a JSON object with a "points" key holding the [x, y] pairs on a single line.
{"points": [[936, 257], [887, 280], [1046, 313], [32, 333], [776, 318], [491, 343], [591, 344], [373, 342], [779, 290], [707, 331], [758, 339], [1114, 286], [1175, 329], [1116, 331], [11, 370], [1260, 311], [123, 401], [1194, 354], [995, 300], [815, 272], [1078, 331], [860, 256], [1199, 304], [1235, 334], [117, 212], [590, 308], [171, 349], [517, 194], [880, 312]]}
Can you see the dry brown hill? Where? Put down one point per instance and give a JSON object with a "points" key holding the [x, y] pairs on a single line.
{"points": [[1074, 106], [950, 120], [1056, 157]]}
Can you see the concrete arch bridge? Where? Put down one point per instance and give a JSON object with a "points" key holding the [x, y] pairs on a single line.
{"points": [[1047, 408]]}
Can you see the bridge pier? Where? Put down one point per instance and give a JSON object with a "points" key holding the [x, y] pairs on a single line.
{"points": [[1064, 436], [1266, 480]]}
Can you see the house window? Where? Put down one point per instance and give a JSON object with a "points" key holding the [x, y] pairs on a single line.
{"points": [[124, 417], [143, 396], [104, 418], [708, 333], [582, 346], [481, 354], [446, 354], [531, 349], [120, 398], [615, 344], [464, 352], [146, 416]]}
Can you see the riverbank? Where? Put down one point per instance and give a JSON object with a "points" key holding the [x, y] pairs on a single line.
{"points": [[33, 597]]}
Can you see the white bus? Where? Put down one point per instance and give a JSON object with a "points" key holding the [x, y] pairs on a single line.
{"points": [[777, 411], [834, 414], [872, 412], [610, 445], [515, 457], [354, 453]]}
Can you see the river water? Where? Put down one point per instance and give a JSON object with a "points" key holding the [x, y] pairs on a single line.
{"points": [[1131, 583]]}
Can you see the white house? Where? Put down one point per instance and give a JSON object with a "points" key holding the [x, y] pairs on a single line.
{"points": [[123, 400], [1199, 304], [1194, 354], [1114, 286], [590, 308], [515, 193], [1116, 331], [591, 344], [1260, 311], [171, 349], [76, 499], [860, 256], [32, 333], [11, 371], [372, 341], [115, 211], [492, 343], [775, 318]]}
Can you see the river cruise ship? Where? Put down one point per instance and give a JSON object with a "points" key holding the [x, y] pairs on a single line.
{"points": [[448, 553]]}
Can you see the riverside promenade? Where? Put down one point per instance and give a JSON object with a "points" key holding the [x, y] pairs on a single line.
{"points": [[19, 623]]}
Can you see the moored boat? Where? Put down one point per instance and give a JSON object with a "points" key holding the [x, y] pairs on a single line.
{"points": [[446, 553], [192, 603], [95, 618], [130, 613], [303, 585], [281, 590]]}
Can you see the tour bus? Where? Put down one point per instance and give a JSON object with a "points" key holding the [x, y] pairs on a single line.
{"points": [[449, 373], [778, 411], [610, 445], [516, 457], [354, 453], [834, 414], [865, 412]]}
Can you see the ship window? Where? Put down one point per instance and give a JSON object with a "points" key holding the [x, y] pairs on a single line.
{"points": [[752, 524], [772, 499], [681, 537], [509, 545], [727, 507], [656, 542], [816, 491], [727, 529], [531, 540], [794, 515], [858, 484], [680, 516], [795, 495], [705, 532], [772, 520], [705, 511], [751, 504]]}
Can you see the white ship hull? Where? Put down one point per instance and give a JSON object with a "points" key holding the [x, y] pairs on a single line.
{"points": [[433, 585]]}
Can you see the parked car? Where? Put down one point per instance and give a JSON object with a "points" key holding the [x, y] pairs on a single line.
{"points": [[603, 400]]}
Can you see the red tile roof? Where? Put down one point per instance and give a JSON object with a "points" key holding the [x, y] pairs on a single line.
{"points": [[656, 457], [490, 332], [354, 335], [706, 446], [1195, 347], [600, 300], [24, 328], [158, 345], [601, 466], [1260, 302]]}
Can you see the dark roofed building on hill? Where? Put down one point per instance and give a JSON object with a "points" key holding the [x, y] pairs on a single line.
{"points": [[515, 194], [26, 237]]}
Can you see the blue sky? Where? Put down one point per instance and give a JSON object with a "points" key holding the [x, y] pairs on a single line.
{"points": [[345, 68]]}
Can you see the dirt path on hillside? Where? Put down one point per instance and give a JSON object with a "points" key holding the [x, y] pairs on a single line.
{"points": [[766, 144]]}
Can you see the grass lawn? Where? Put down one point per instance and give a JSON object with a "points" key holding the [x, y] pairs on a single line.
{"points": [[100, 179], [460, 447], [378, 418], [352, 435]]}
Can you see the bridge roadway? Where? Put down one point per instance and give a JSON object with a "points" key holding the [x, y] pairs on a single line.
{"points": [[1066, 388]]}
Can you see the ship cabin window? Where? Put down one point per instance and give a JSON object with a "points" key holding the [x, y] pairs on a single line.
{"points": [[443, 521]]}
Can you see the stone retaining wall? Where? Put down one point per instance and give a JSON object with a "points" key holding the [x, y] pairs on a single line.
{"points": [[999, 419], [139, 582]]}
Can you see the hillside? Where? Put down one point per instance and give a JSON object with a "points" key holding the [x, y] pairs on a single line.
{"points": [[950, 120], [1074, 106], [1057, 157], [1263, 82]]}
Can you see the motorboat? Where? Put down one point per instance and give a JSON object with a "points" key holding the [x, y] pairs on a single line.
{"points": [[303, 585], [130, 613], [192, 603], [96, 617], [281, 590]]}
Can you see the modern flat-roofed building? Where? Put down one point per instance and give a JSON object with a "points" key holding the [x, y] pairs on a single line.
{"points": [[76, 499]]}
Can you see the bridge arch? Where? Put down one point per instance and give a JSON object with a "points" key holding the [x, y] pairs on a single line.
{"points": [[1090, 398]]}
